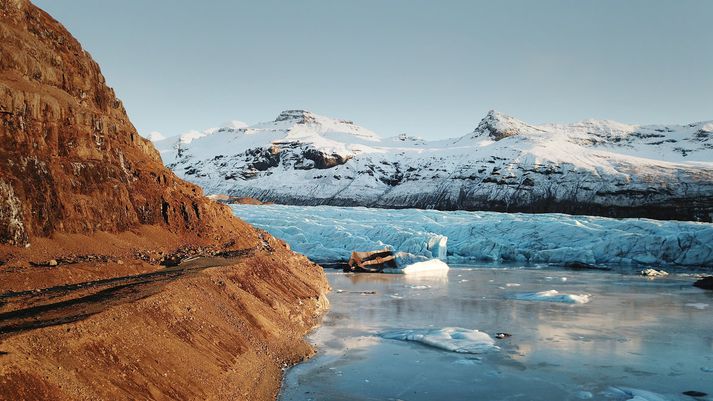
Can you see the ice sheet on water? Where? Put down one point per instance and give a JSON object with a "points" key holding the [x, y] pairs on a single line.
{"points": [[633, 394], [553, 296], [453, 339], [327, 233], [697, 305]]}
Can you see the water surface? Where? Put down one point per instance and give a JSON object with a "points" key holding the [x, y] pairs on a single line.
{"points": [[654, 335]]}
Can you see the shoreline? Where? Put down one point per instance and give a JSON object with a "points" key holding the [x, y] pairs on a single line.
{"points": [[210, 328]]}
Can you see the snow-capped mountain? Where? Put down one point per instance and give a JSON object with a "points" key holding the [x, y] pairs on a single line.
{"points": [[592, 167]]}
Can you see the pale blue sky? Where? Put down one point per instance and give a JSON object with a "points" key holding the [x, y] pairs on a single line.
{"points": [[430, 68]]}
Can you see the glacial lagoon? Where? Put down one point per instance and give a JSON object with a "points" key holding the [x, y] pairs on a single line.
{"points": [[634, 333], [571, 334]]}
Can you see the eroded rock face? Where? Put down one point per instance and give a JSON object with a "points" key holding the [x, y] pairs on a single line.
{"points": [[70, 159]]}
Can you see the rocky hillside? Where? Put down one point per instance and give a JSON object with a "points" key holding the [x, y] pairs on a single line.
{"points": [[118, 280], [70, 159], [592, 167]]}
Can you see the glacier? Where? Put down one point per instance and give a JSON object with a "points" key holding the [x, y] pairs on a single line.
{"points": [[330, 234]]}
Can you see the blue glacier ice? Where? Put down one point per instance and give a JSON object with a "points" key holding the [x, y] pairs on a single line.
{"points": [[327, 233]]}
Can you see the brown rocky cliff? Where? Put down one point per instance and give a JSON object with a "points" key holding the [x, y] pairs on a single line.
{"points": [[81, 189], [70, 159]]}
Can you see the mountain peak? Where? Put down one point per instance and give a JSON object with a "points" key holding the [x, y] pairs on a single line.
{"points": [[498, 125], [298, 116]]}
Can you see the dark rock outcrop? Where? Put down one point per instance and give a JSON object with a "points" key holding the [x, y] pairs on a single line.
{"points": [[705, 283]]}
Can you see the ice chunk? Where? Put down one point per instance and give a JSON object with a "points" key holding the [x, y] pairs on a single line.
{"points": [[433, 266], [654, 273], [632, 394], [553, 296], [428, 267], [453, 339], [700, 306], [419, 287], [437, 246], [584, 395]]}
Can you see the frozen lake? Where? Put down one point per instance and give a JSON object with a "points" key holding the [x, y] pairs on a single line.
{"points": [[634, 333]]}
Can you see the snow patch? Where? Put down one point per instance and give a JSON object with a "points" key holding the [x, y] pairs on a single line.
{"points": [[154, 136]]}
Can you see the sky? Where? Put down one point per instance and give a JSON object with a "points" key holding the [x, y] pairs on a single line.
{"points": [[428, 68]]}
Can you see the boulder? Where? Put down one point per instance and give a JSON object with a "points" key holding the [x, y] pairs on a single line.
{"points": [[705, 283]]}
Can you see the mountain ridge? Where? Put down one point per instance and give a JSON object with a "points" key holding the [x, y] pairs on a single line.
{"points": [[595, 167]]}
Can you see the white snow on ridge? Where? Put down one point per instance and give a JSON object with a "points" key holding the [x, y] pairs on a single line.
{"points": [[504, 164], [326, 233]]}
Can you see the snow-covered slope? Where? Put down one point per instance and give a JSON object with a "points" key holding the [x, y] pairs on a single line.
{"points": [[591, 167]]}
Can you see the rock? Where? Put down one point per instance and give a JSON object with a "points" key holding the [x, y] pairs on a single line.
{"points": [[52, 262], [693, 393], [654, 273], [500, 336], [705, 283], [171, 260], [584, 266], [65, 134]]}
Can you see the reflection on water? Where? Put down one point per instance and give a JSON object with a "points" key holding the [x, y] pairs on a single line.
{"points": [[634, 332]]}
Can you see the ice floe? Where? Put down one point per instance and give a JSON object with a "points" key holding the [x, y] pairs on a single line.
{"points": [[427, 267], [653, 273], [453, 339], [632, 394], [553, 296], [327, 233], [698, 305]]}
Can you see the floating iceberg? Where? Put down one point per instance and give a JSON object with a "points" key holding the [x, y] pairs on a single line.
{"points": [[428, 267], [553, 296], [328, 233], [453, 339]]}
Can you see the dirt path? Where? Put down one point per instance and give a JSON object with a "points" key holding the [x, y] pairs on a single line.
{"points": [[26, 310]]}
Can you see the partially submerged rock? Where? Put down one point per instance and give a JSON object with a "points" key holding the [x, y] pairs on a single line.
{"points": [[705, 283], [584, 266]]}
